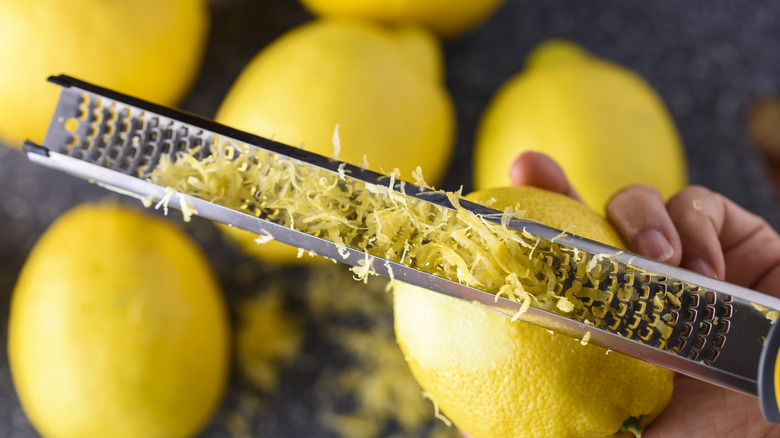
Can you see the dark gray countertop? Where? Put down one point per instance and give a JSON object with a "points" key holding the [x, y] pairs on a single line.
{"points": [[709, 61]]}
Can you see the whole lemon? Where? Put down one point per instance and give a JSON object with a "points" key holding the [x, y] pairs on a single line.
{"points": [[383, 88], [603, 123], [448, 18], [117, 329], [495, 378], [151, 49]]}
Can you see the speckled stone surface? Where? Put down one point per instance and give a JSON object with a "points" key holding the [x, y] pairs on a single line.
{"points": [[710, 61]]}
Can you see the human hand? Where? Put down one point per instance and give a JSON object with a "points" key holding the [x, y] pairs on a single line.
{"points": [[705, 232]]}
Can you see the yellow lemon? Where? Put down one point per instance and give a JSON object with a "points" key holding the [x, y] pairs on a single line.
{"points": [[147, 48], [117, 329], [383, 89], [500, 379], [448, 18], [601, 122]]}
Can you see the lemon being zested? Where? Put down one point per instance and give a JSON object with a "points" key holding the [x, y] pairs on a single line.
{"points": [[495, 378], [601, 122], [150, 49], [117, 329], [382, 88]]}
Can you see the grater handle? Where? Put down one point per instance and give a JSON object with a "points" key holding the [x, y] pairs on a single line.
{"points": [[769, 376]]}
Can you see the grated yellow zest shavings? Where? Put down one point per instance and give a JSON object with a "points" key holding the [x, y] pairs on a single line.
{"points": [[454, 244], [364, 268], [585, 339], [237, 422], [562, 234], [436, 411], [564, 305], [385, 395], [268, 339], [264, 238], [146, 201], [336, 143], [760, 308], [186, 207], [163, 202], [342, 249], [342, 172], [595, 260], [489, 203], [674, 299], [768, 313], [390, 274], [418, 178]]}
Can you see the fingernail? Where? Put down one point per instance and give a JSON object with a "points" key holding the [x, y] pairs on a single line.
{"points": [[702, 267], [652, 243]]}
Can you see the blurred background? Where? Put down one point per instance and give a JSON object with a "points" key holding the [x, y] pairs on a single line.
{"points": [[715, 65]]}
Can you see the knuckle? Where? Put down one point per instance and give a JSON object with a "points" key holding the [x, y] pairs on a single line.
{"points": [[637, 207], [694, 191], [693, 198], [633, 196]]}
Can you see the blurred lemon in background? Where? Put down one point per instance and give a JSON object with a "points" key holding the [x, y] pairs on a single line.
{"points": [[495, 378], [150, 49], [117, 329], [383, 88], [601, 122], [448, 18]]}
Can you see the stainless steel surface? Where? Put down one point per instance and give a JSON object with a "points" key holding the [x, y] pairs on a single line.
{"points": [[715, 332], [711, 330]]}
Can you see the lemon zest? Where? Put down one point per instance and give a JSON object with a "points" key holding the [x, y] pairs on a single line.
{"points": [[186, 207], [264, 238], [336, 143], [380, 220], [146, 201], [436, 412], [169, 192]]}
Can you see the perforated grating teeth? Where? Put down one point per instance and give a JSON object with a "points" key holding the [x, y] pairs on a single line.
{"points": [[111, 134], [640, 305]]}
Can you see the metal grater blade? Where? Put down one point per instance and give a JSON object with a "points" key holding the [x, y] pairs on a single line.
{"points": [[697, 325], [102, 131], [708, 322]]}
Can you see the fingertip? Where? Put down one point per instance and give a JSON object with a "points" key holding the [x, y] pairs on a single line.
{"points": [[518, 170], [639, 214], [536, 169], [654, 244], [702, 267], [529, 168]]}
